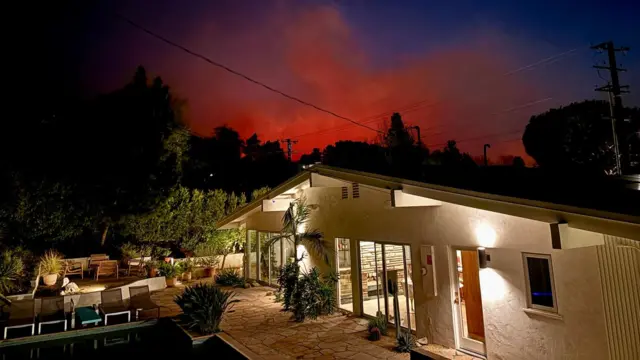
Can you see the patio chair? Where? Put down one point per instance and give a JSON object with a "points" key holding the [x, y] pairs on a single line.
{"points": [[94, 261], [107, 267], [136, 267], [52, 312], [85, 313], [21, 314], [140, 300], [73, 268], [112, 304]]}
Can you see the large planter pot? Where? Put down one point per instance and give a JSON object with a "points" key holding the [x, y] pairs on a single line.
{"points": [[209, 272], [50, 279], [171, 282], [153, 272], [186, 276]]}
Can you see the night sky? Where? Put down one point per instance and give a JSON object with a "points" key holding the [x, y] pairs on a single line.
{"points": [[455, 69]]}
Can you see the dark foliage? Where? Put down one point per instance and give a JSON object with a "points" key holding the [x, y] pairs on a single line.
{"points": [[230, 277], [580, 136], [313, 296], [287, 281]]}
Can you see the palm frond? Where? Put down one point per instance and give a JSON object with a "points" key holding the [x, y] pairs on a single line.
{"points": [[288, 219], [276, 238], [314, 241]]}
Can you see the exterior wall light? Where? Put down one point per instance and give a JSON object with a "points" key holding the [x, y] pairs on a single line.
{"points": [[482, 258]]}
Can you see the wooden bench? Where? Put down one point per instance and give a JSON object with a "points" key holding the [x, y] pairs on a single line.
{"points": [[107, 267]]}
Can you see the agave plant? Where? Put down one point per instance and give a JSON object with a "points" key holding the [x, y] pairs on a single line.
{"points": [[204, 305], [405, 341], [230, 277]]}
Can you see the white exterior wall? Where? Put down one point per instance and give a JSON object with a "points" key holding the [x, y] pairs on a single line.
{"points": [[510, 332]]}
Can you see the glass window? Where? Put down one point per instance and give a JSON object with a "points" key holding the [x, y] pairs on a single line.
{"points": [[253, 254], [540, 287], [345, 286]]}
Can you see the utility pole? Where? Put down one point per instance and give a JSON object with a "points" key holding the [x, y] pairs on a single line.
{"points": [[615, 103], [289, 146], [484, 149]]}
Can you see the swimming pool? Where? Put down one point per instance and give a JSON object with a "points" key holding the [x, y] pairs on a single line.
{"points": [[163, 340]]}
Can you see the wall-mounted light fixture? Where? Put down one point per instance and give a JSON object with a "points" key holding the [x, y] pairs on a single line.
{"points": [[482, 257]]}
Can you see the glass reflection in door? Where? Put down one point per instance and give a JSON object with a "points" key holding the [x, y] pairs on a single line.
{"points": [[276, 260], [372, 278], [266, 256], [253, 253], [395, 268]]}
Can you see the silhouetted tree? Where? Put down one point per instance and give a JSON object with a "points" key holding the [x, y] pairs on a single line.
{"points": [[356, 155], [451, 157], [580, 136], [312, 158]]}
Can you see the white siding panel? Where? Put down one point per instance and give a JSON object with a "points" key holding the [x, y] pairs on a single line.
{"points": [[619, 260]]}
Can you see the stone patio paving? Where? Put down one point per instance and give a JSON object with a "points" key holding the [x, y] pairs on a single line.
{"points": [[257, 323]]}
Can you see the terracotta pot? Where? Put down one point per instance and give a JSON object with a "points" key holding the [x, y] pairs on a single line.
{"points": [[50, 279], [167, 259], [186, 276], [209, 272], [171, 282], [153, 272]]}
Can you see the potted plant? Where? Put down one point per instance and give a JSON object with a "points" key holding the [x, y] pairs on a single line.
{"points": [[50, 267], [374, 334], [170, 273], [377, 327], [187, 269], [204, 305], [152, 268], [209, 264]]}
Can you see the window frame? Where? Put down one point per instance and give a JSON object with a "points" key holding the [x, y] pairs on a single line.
{"points": [[530, 304]]}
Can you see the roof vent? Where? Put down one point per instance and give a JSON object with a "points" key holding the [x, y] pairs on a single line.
{"points": [[345, 192], [356, 190]]}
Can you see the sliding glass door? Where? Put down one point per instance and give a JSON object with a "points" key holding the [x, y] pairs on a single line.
{"points": [[385, 269], [265, 258]]}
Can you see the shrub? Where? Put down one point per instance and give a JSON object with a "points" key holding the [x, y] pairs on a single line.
{"points": [[312, 296], [379, 322], [133, 251], [11, 267], [187, 265], [229, 277], [169, 271], [204, 306], [287, 280], [51, 263], [405, 341]]}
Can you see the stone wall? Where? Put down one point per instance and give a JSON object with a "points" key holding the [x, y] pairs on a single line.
{"points": [[394, 261]]}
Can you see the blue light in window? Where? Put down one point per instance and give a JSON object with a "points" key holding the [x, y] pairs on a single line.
{"points": [[541, 294]]}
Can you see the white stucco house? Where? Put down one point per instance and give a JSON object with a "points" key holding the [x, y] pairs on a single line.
{"points": [[496, 276]]}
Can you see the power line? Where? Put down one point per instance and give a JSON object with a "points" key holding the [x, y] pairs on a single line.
{"points": [[548, 60], [478, 138], [237, 73]]}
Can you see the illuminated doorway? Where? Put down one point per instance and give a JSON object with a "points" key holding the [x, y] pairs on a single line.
{"points": [[467, 301]]}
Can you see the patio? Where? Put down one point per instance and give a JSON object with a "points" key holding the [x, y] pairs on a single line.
{"points": [[258, 324]]}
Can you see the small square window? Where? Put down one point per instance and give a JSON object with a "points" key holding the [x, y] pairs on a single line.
{"points": [[539, 279]]}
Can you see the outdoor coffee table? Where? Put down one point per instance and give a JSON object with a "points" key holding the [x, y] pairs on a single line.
{"points": [[87, 315]]}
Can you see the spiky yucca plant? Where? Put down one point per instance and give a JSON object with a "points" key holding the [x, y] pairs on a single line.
{"points": [[405, 342], [204, 305], [11, 267]]}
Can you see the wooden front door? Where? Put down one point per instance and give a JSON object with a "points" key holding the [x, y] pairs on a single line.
{"points": [[468, 301]]}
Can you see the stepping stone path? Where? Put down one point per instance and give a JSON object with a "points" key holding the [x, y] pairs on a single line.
{"points": [[258, 323]]}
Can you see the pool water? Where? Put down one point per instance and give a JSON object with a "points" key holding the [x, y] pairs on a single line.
{"points": [[156, 342]]}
